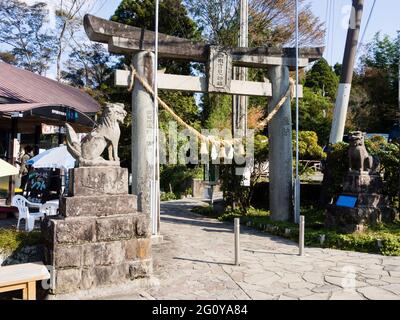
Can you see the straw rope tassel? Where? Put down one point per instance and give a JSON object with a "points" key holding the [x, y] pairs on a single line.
{"points": [[204, 139]]}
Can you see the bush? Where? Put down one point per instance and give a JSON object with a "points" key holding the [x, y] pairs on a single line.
{"points": [[308, 146], [11, 240], [178, 178], [167, 196]]}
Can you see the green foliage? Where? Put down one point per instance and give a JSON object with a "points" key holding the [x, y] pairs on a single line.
{"points": [[11, 240], [177, 179], [183, 104], [338, 165], [261, 148], [168, 196], [315, 113], [235, 194], [308, 146], [322, 79], [389, 157], [218, 109], [376, 86], [218, 20]]}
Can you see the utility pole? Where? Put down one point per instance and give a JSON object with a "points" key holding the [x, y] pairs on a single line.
{"points": [[240, 102], [343, 94]]}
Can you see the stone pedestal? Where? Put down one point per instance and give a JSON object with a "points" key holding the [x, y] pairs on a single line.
{"points": [[371, 206], [100, 239]]}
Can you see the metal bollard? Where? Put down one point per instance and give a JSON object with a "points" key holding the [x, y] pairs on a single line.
{"points": [[301, 236], [237, 241]]}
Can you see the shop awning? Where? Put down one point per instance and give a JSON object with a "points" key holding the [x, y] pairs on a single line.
{"points": [[24, 94]]}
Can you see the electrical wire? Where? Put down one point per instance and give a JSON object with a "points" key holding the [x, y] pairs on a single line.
{"points": [[366, 27], [332, 31]]}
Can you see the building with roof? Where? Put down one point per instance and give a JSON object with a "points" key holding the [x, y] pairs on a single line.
{"points": [[32, 106]]}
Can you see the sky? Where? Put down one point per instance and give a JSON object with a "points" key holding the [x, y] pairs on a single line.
{"points": [[385, 18]]}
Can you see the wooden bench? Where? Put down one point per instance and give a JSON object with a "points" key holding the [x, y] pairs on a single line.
{"points": [[23, 277]]}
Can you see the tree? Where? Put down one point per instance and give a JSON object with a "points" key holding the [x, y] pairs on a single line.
{"points": [[272, 23], [69, 21], [89, 66], [218, 20], [379, 77], [22, 28], [309, 148], [315, 114], [321, 78]]}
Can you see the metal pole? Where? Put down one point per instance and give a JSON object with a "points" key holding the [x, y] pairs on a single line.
{"points": [[297, 181], [301, 236], [237, 241], [155, 183], [343, 94]]}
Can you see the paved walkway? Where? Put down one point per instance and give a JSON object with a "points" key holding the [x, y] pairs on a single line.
{"points": [[196, 262]]}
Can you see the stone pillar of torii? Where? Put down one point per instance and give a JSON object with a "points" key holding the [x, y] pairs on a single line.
{"points": [[139, 43]]}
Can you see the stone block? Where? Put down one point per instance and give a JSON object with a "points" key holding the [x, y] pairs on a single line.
{"points": [[143, 248], [67, 280], [104, 253], [142, 225], [98, 206], [131, 247], [88, 279], [66, 256], [362, 182], [74, 231], [105, 275], [94, 181], [113, 253], [92, 254], [140, 269], [116, 228]]}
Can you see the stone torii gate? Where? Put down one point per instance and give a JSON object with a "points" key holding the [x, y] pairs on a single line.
{"points": [[140, 43]]}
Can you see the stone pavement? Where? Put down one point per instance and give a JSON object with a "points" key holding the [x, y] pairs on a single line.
{"points": [[196, 262]]}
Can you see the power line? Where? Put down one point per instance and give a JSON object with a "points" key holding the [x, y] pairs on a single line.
{"points": [[366, 27], [328, 2], [332, 30]]}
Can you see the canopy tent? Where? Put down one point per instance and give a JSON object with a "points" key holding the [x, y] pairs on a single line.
{"points": [[57, 158], [7, 169]]}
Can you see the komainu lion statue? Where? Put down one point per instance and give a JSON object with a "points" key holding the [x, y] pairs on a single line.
{"points": [[105, 135], [360, 160]]}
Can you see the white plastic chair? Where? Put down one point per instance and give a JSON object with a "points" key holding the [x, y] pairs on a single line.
{"points": [[49, 209], [23, 212]]}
